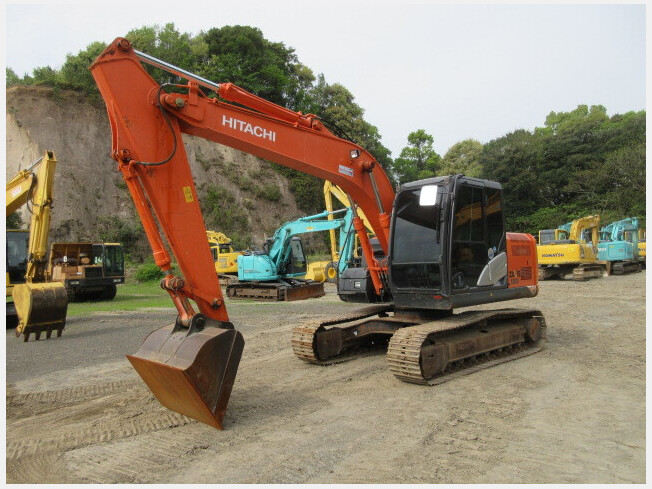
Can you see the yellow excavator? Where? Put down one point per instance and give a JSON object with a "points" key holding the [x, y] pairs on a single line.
{"points": [[326, 271], [225, 258], [577, 255], [34, 302]]}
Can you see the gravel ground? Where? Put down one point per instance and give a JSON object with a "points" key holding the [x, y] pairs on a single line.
{"points": [[573, 413]]}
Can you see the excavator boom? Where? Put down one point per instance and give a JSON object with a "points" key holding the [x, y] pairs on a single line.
{"points": [[146, 125], [41, 305]]}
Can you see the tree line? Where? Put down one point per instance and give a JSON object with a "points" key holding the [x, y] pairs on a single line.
{"points": [[578, 163]]}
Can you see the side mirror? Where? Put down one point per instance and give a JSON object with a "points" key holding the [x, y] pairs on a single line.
{"points": [[428, 196]]}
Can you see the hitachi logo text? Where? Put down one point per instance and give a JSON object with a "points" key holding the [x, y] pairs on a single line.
{"points": [[259, 132]]}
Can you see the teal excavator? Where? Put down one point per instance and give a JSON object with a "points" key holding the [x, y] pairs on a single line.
{"points": [[619, 252], [274, 273]]}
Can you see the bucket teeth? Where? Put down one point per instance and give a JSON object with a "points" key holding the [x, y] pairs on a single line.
{"points": [[40, 307]]}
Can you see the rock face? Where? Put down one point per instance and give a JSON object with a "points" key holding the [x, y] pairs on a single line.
{"points": [[89, 189]]}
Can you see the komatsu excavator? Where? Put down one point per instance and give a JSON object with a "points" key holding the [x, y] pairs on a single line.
{"points": [[443, 240], [225, 258], [39, 304], [577, 255], [547, 236]]}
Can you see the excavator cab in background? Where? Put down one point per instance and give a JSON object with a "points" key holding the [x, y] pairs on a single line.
{"points": [[16, 249], [552, 236], [225, 258], [88, 270], [577, 255], [618, 246], [442, 240], [39, 304], [341, 259], [278, 272]]}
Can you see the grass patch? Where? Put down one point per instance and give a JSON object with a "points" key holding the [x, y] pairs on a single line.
{"points": [[130, 297]]}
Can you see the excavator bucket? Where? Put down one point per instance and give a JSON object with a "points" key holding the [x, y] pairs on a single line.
{"points": [[41, 307], [191, 371]]}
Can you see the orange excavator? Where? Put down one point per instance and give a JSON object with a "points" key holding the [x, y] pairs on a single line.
{"points": [[442, 242]]}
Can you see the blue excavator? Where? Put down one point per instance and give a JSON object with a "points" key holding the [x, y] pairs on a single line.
{"points": [[275, 272], [618, 246]]}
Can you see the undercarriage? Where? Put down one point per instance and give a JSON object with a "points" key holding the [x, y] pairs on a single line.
{"points": [[424, 350], [280, 290], [579, 272]]}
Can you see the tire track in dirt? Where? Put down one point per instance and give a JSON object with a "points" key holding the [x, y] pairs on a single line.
{"points": [[121, 428], [69, 395], [134, 460], [45, 427]]}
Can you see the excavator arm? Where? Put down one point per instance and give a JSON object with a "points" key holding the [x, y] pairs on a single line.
{"points": [[190, 365], [580, 225], [325, 221], [330, 191], [41, 305], [19, 187]]}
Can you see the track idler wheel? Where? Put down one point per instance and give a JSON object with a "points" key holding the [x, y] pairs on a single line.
{"points": [[533, 330], [331, 272], [192, 370], [434, 359]]}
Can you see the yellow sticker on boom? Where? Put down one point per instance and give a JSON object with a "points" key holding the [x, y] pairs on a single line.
{"points": [[187, 193]]}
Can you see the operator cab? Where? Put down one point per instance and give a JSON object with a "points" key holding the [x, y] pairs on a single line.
{"points": [[447, 245], [111, 257], [17, 245], [297, 264]]}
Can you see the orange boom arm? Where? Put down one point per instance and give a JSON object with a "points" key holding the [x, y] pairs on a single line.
{"points": [[147, 124], [190, 365]]}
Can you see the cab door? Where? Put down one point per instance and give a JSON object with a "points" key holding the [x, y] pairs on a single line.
{"points": [[478, 258]]}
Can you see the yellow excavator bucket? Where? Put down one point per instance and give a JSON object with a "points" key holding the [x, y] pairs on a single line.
{"points": [[41, 307], [191, 371]]}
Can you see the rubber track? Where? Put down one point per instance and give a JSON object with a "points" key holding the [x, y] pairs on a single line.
{"points": [[248, 288], [303, 335], [622, 268], [587, 272], [404, 349]]}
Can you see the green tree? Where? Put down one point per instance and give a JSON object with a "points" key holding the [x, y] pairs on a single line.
{"points": [[168, 44], [463, 157], [337, 107], [12, 77], [45, 76], [512, 160], [242, 55], [417, 160], [75, 71], [14, 221]]}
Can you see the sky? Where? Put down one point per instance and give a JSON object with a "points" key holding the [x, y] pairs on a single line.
{"points": [[457, 71]]}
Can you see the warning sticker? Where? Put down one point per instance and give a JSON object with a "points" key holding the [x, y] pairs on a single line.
{"points": [[345, 170], [187, 193]]}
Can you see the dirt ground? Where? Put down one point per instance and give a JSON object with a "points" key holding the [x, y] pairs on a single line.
{"points": [[573, 413]]}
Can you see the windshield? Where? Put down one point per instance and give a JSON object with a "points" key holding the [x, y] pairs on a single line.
{"points": [[114, 265], [17, 255], [416, 244], [546, 236]]}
